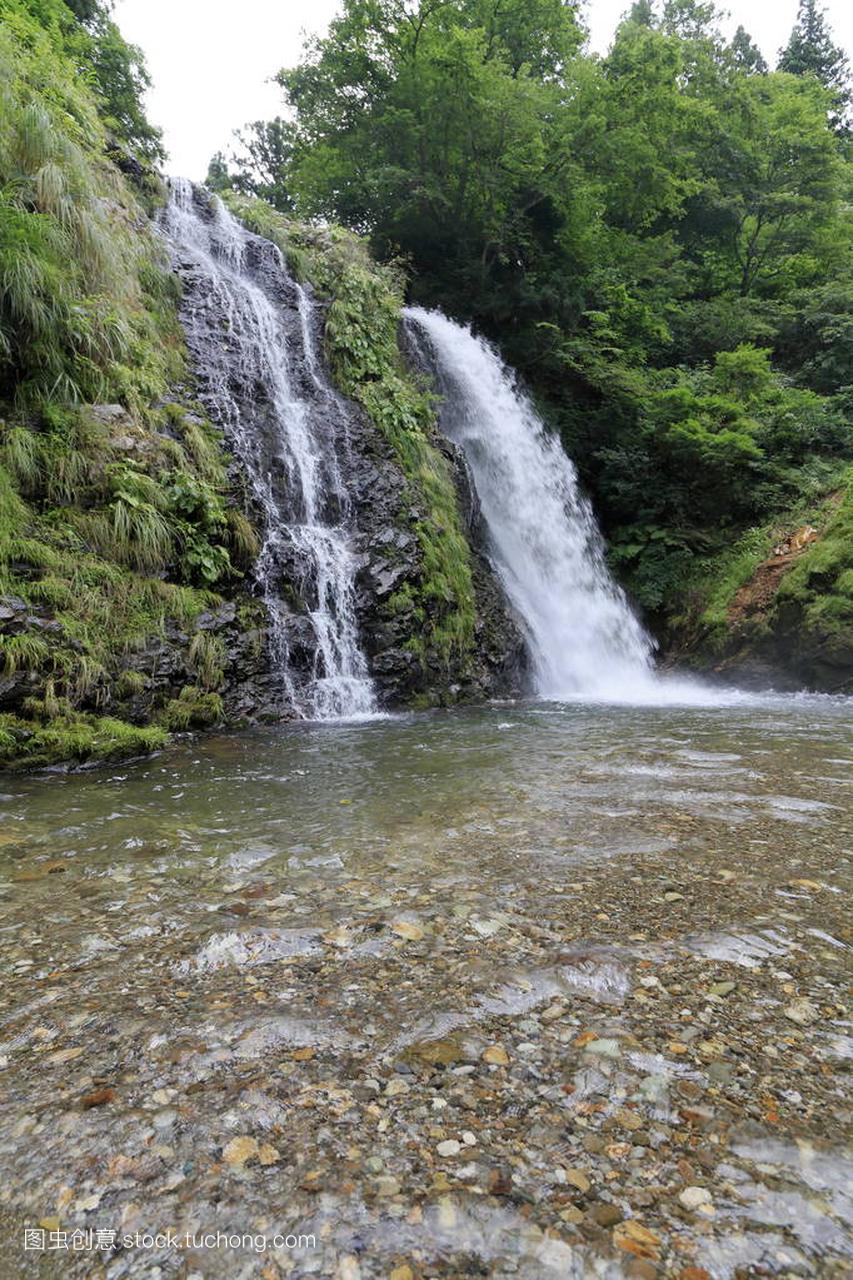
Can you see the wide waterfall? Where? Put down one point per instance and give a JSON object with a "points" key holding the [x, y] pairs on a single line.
{"points": [[544, 543], [251, 330]]}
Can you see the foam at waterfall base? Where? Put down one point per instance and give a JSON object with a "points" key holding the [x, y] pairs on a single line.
{"points": [[343, 699], [669, 690]]}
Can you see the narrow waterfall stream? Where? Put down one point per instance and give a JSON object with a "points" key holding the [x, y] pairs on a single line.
{"points": [[251, 331], [544, 541]]}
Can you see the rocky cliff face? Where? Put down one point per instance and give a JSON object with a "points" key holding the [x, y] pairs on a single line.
{"points": [[380, 500], [392, 568]]}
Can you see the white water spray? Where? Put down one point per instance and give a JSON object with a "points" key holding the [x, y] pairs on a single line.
{"points": [[263, 384], [583, 638]]}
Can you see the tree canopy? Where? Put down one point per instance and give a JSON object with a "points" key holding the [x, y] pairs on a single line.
{"points": [[810, 52], [659, 239]]}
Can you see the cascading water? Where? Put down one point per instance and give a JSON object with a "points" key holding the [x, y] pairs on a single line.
{"points": [[544, 543], [251, 330]]}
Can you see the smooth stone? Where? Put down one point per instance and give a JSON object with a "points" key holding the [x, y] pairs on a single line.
{"points": [[603, 1048], [694, 1197]]}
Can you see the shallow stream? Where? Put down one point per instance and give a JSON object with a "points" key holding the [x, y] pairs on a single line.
{"points": [[528, 990]]}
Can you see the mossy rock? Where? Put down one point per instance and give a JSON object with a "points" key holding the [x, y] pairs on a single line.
{"points": [[74, 738]]}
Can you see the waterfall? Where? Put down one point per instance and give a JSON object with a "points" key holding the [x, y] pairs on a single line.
{"points": [[543, 539], [251, 331]]}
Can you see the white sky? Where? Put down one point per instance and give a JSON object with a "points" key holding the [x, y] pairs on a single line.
{"points": [[211, 60]]}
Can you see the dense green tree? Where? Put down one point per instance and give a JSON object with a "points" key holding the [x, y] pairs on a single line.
{"points": [[811, 52], [690, 19], [746, 54], [114, 68], [122, 81], [773, 189], [642, 12], [429, 126], [86, 10], [218, 178], [261, 159]]}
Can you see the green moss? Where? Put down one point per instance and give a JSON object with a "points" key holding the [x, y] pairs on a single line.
{"points": [[13, 511], [193, 708], [113, 530], [423, 701], [128, 684], [105, 609], [720, 576], [243, 540], [25, 652], [362, 346], [117, 554], [73, 737], [82, 314], [732, 570]]}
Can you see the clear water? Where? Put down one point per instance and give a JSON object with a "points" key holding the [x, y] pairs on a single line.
{"points": [[263, 384], [186, 925]]}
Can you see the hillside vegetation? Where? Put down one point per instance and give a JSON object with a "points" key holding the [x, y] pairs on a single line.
{"points": [[124, 547], [115, 521]]}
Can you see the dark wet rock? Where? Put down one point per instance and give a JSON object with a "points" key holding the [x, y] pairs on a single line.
{"points": [[14, 613], [129, 164], [217, 619], [17, 618], [391, 561], [11, 609]]}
